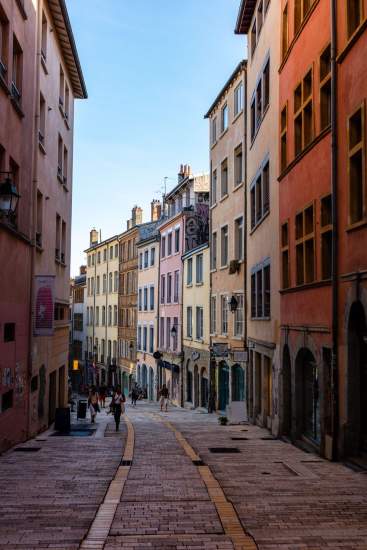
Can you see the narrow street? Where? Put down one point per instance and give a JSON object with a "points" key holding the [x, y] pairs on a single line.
{"points": [[156, 484]]}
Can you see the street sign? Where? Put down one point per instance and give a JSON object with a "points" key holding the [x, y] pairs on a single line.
{"points": [[220, 350], [240, 356]]}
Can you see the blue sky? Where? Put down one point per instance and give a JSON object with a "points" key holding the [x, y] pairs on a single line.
{"points": [[152, 69]]}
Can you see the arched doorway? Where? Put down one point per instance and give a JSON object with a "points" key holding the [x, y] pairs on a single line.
{"points": [[144, 377], [308, 396], [151, 384], [188, 382], [357, 379], [223, 383], [204, 388], [287, 391], [196, 386], [238, 383]]}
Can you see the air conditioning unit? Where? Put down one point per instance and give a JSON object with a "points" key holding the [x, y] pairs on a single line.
{"points": [[234, 266]]}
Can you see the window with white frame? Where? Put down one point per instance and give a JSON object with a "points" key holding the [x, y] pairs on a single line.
{"points": [[115, 315], [213, 190], [177, 239], [189, 322], [163, 247], [151, 339], [224, 118], [238, 169], [260, 292], [238, 99], [145, 299], [140, 299], [151, 298], [238, 238], [199, 323], [214, 130], [176, 287], [146, 258], [169, 244], [139, 338], [189, 272], [260, 195], [224, 314], [145, 338], [213, 315], [141, 261], [169, 288], [199, 269], [260, 99], [168, 332], [224, 246], [152, 256], [163, 289], [224, 178], [213, 254], [239, 316]]}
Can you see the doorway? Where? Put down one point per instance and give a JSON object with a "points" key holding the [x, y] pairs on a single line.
{"points": [[287, 392], [51, 397], [204, 388], [308, 397], [238, 383], [223, 386]]}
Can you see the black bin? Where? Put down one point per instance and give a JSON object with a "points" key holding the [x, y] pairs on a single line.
{"points": [[82, 408], [62, 419]]}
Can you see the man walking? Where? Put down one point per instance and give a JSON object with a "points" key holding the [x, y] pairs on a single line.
{"points": [[164, 397]]}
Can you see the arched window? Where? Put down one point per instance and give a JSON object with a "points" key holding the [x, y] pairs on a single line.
{"points": [[110, 282], [109, 316], [116, 281], [115, 315], [103, 315]]}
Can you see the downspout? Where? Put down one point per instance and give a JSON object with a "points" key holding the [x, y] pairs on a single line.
{"points": [[33, 217], [334, 206], [244, 177], [181, 309], [106, 314], [210, 369], [159, 368]]}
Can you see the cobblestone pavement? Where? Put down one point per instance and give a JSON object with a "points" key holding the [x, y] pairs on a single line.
{"points": [[285, 498]]}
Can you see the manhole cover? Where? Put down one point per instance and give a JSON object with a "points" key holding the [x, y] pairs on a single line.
{"points": [[222, 450], [265, 473], [125, 462], [268, 438], [198, 463], [27, 449], [239, 438], [74, 433]]}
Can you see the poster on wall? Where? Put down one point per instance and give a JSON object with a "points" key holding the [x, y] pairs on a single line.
{"points": [[44, 305]]}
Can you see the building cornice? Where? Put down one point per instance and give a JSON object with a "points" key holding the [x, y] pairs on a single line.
{"points": [[244, 17], [241, 67]]}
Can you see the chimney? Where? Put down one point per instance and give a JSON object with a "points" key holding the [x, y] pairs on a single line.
{"points": [[128, 224], [136, 216], [93, 237], [185, 171], [83, 269], [155, 210]]}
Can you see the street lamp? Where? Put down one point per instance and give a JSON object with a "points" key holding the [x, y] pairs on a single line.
{"points": [[9, 196]]}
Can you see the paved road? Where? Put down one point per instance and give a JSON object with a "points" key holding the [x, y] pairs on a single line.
{"points": [[286, 499]]}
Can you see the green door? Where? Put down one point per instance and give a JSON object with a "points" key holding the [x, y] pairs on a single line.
{"points": [[223, 386]]}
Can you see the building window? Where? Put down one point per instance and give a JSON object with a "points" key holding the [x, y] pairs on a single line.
{"points": [[238, 166], [260, 100], [110, 282], [213, 191], [176, 287], [224, 314], [9, 332], [169, 288], [139, 338], [238, 99], [151, 298], [151, 339], [189, 322], [4, 31], [213, 314], [146, 259], [199, 323], [214, 130], [109, 316], [17, 74], [238, 238], [305, 246], [177, 240], [239, 316], [104, 284], [140, 299], [326, 237], [224, 178], [301, 9], [303, 114], [285, 31], [354, 15], [152, 256], [224, 246], [224, 118], [356, 166], [213, 255], [260, 196], [97, 318], [168, 332], [115, 315], [105, 255], [325, 88], [169, 244], [260, 292], [39, 220], [189, 272], [253, 37], [42, 121], [285, 255], [163, 289], [141, 261], [145, 299], [103, 315], [145, 337], [44, 37], [199, 269], [111, 252], [115, 281], [283, 139]]}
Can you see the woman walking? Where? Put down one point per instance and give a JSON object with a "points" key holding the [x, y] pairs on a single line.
{"points": [[93, 404], [117, 405]]}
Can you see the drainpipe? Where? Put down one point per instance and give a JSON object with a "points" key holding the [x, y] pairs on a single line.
{"points": [[334, 205], [210, 369], [244, 177]]}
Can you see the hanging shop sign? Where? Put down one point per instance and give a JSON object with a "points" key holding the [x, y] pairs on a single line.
{"points": [[44, 305], [220, 350]]}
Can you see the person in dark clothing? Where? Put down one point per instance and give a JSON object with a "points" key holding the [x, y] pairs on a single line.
{"points": [[134, 396], [118, 405], [164, 397]]}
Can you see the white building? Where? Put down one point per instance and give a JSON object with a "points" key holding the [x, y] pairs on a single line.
{"points": [[78, 328]]}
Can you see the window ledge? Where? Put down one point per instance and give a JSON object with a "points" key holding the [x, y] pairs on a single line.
{"points": [[357, 225], [213, 270], [224, 132], [39, 248], [306, 286], [189, 285], [41, 147], [212, 206], [21, 9], [260, 124], [256, 226], [238, 186], [65, 187], [223, 267], [4, 85], [17, 107], [224, 197], [260, 318], [237, 116], [199, 284], [214, 144], [66, 120]]}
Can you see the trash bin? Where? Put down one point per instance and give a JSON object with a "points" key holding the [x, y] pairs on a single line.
{"points": [[62, 419], [82, 408]]}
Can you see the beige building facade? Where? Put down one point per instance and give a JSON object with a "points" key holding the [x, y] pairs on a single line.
{"points": [[147, 329], [196, 321], [227, 242], [260, 21], [102, 310]]}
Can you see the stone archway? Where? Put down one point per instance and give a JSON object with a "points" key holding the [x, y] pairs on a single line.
{"points": [[238, 383], [357, 380], [204, 388], [308, 396], [223, 386], [286, 392]]}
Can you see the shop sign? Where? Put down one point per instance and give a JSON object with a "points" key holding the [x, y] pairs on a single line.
{"points": [[220, 350]]}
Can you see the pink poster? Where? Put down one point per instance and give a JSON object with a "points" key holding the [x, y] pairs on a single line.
{"points": [[44, 305]]}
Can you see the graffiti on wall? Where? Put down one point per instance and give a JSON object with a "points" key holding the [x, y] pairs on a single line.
{"points": [[197, 226]]}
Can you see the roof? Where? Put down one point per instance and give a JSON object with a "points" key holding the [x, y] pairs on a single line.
{"points": [[70, 54], [195, 250], [244, 17], [240, 67], [102, 243]]}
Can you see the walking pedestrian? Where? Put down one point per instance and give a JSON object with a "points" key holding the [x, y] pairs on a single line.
{"points": [[93, 404], [102, 396], [164, 397], [134, 395], [118, 404]]}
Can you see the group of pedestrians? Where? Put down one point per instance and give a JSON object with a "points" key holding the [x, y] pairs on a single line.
{"points": [[97, 400]]}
